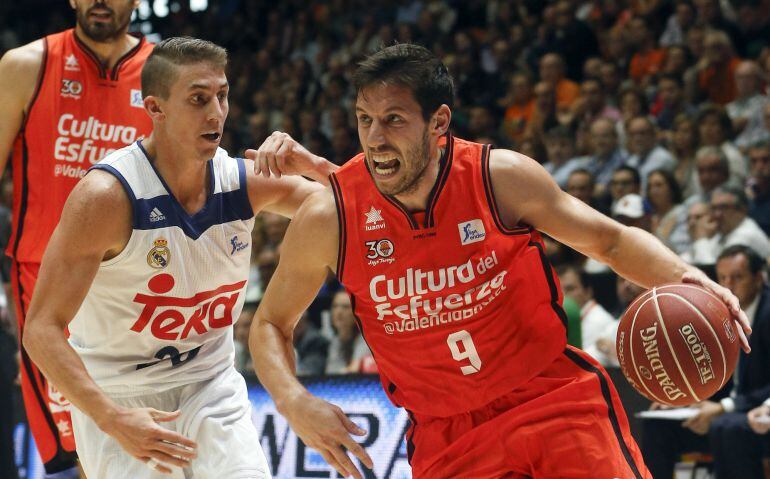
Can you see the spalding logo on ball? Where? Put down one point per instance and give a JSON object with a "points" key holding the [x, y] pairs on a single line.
{"points": [[677, 344]]}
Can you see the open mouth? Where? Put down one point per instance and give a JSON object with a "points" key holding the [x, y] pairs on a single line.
{"points": [[212, 137], [100, 14], [385, 165]]}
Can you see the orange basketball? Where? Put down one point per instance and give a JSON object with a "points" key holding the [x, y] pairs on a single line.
{"points": [[677, 344]]}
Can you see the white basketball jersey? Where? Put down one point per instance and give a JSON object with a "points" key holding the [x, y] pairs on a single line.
{"points": [[160, 314]]}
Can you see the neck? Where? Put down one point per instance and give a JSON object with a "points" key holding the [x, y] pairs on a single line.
{"points": [[417, 198], [110, 51], [184, 171], [664, 208]]}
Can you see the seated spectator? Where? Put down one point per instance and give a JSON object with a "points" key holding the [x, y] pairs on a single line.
{"points": [[560, 145], [606, 155], [625, 181], [592, 105], [682, 143], [729, 208], [552, 71], [611, 79], [678, 61], [519, 105], [700, 224], [648, 58], [347, 347], [671, 101], [580, 184], [677, 24], [594, 319], [713, 429], [713, 171], [759, 185], [748, 109], [716, 70], [544, 117], [310, 348], [669, 216], [646, 154], [715, 129], [632, 211]]}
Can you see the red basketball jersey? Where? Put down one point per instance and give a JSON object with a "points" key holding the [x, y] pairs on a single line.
{"points": [[79, 112], [456, 308]]}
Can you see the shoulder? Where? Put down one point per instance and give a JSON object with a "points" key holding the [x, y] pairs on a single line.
{"points": [[99, 191], [20, 67], [511, 166]]}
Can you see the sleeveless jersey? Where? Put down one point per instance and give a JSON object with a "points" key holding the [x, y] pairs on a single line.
{"points": [[160, 313], [79, 113], [456, 308]]}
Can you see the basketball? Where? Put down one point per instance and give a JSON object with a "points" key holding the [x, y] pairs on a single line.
{"points": [[677, 344]]}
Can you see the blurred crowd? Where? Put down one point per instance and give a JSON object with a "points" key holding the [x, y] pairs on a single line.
{"points": [[652, 111]]}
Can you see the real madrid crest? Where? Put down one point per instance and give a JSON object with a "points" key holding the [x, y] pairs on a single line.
{"points": [[159, 256]]}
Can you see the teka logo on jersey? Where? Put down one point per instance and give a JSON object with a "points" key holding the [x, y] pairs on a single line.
{"points": [[71, 89], [89, 139], [471, 231], [172, 318], [374, 220]]}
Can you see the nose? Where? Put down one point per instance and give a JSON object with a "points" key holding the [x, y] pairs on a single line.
{"points": [[216, 111], [375, 135]]}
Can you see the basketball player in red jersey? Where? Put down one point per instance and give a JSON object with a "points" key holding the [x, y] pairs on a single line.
{"points": [[66, 100], [440, 251]]}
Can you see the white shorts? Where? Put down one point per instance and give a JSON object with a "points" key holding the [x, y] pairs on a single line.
{"points": [[215, 413]]}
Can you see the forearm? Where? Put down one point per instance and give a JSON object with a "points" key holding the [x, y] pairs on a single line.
{"points": [[273, 356], [49, 350], [643, 259]]}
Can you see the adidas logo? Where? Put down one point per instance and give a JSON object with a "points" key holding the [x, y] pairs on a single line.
{"points": [[156, 215], [71, 63]]}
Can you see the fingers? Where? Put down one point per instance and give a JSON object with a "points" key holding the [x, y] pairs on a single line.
{"points": [[176, 438], [349, 425], [268, 158], [344, 460], [165, 459], [155, 465], [349, 443], [332, 460], [174, 449]]}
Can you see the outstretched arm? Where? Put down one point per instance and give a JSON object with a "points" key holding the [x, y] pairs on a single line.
{"points": [[308, 251], [280, 154], [525, 193], [95, 225]]}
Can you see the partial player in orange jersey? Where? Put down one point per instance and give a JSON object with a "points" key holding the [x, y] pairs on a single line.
{"points": [[438, 245], [53, 93]]}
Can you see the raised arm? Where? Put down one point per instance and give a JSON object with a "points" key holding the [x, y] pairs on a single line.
{"points": [[19, 69], [280, 155], [308, 252], [95, 225], [525, 193]]}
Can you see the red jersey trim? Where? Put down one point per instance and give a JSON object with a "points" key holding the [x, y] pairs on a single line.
{"points": [[341, 225], [127, 56], [445, 166], [394, 201], [490, 195], [90, 54], [549, 277], [38, 85]]}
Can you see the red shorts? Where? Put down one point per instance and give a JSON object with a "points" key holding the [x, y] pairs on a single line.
{"points": [[47, 411], [567, 423]]}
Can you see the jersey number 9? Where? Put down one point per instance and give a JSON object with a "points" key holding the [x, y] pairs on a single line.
{"points": [[468, 351]]}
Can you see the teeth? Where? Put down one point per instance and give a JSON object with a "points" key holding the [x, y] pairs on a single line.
{"points": [[382, 159], [385, 171]]}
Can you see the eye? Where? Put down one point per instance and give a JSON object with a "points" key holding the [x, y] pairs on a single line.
{"points": [[197, 99], [222, 96], [395, 119], [364, 119]]}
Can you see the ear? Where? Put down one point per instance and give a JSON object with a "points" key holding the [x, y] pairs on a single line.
{"points": [[440, 120], [153, 107], [72, 4]]}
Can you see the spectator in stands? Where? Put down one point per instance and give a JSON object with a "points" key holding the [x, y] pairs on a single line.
{"points": [[310, 347], [611, 80], [715, 129], [631, 210], [594, 319], [633, 104], [748, 109], [669, 216], [552, 72], [678, 61], [347, 347], [273, 228], [647, 59], [606, 155], [729, 208], [710, 14], [713, 171], [580, 184], [544, 117], [759, 185], [592, 104], [700, 224], [647, 154], [677, 24], [519, 105], [625, 181], [716, 70], [671, 101], [683, 143], [560, 145], [571, 38], [718, 426]]}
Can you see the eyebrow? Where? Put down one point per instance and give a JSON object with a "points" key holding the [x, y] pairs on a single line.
{"points": [[206, 86]]}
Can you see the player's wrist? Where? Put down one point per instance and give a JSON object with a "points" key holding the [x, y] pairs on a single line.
{"points": [[106, 415], [288, 402], [322, 169]]}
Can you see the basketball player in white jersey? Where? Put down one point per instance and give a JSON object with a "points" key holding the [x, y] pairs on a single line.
{"points": [[147, 270]]}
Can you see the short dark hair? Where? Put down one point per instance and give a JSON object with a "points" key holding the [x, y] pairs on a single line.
{"points": [[583, 276], [159, 71], [673, 78], [756, 263], [712, 109], [737, 193], [634, 173], [411, 66], [673, 185]]}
